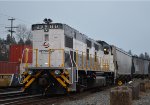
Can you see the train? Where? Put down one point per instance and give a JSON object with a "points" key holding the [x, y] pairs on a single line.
{"points": [[65, 60]]}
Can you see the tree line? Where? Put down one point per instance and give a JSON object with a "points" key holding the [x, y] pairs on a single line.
{"points": [[23, 37], [142, 55]]}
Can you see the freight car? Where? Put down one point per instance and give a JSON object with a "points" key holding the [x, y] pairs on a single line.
{"points": [[123, 63], [11, 70], [65, 60], [141, 67], [9, 73]]}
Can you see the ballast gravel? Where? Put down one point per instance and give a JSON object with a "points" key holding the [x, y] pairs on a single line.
{"points": [[98, 98], [103, 98], [144, 99]]}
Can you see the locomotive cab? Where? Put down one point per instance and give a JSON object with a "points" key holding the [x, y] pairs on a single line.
{"points": [[106, 47], [106, 50]]}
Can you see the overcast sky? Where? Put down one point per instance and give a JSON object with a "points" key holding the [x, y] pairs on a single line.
{"points": [[124, 23]]}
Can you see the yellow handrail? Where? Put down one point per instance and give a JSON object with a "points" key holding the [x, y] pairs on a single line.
{"points": [[26, 57], [93, 63], [90, 61], [63, 59], [82, 61], [36, 64], [49, 58]]}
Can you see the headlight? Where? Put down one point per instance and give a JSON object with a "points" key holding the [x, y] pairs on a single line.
{"points": [[30, 72], [105, 49], [57, 72]]}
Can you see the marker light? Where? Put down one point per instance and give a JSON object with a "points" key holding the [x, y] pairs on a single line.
{"points": [[57, 72], [30, 72]]}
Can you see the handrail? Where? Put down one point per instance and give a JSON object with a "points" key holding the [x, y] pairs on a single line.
{"points": [[83, 65], [49, 57], [22, 56], [36, 64], [71, 67], [94, 62], [26, 52], [26, 57], [77, 66], [76, 63], [90, 61], [82, 61]]}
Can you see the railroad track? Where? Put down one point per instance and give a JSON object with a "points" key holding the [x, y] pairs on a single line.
{"points": [[21, 98], [6, 89], [10, 94], [16, 97], [58, 99]]}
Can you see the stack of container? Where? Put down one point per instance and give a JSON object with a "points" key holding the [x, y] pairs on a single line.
{"points": [[15, 65]]}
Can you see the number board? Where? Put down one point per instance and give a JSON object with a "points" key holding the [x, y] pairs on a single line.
{"points": [[5, 76], [46, 27]]}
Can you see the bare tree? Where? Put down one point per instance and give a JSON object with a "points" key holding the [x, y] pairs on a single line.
{"points": [[28, 42], [10, 40], [141, 56], [146, 55], [21, 41], [130, 52], [23, 33]]}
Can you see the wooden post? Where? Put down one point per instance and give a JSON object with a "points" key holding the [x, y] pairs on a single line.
{"points": [[135, 86], [121, 96], [143, 86]]}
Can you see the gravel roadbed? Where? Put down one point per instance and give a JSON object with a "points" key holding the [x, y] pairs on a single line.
{"points": [[98, 98], [103, 98], [144, 99]]}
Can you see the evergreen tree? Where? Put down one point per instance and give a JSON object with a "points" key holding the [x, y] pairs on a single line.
{"points": [[8, 39], [28, 42], [130, 52], [146, 55], [21, 41], [141, 56]]}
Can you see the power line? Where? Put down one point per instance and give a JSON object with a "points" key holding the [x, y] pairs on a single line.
{"points": [[2, 32], [5, 15], [23, 21], [2, 24], [16, 18]]}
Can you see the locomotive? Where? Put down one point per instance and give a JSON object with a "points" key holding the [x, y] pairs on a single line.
{"points": [[65, 60]]}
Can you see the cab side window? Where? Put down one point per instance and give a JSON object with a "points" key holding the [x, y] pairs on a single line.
{"points": [[46, 37]]}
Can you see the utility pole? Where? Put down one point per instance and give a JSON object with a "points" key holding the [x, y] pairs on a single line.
{"points": [[11, 27]]}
